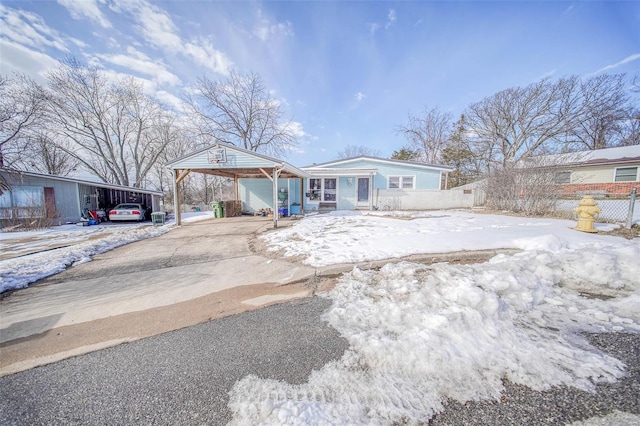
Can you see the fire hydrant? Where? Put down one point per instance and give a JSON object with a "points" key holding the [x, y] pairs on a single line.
{"points": [[587, 210]]}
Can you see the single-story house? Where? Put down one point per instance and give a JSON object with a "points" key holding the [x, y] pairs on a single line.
{"points": [[62, 199], [368, 183], [610, 171], [262, 182]]}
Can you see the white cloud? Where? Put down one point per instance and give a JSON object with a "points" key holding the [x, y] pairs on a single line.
{"points": [[373, 27], [29, 29], [80, 9], [626, 60], [203, 52], [169, 99], [391, 19], [20, 59], [159, 31], [141, 63], [360, 96], [265, 30]]}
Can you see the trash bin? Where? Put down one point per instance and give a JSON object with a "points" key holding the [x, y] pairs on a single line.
{"points": [[283, 211], [295, 209], [158, 218], [218, 209]]}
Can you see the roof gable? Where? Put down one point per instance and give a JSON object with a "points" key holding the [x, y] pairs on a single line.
{"points": [[229, 160]]}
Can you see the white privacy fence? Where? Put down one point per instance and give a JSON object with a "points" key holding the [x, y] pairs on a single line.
{"points": [[422, 199]]}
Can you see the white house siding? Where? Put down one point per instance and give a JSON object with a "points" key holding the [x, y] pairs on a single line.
{"points": [[346, 196], [422, 199], [600, 174]]}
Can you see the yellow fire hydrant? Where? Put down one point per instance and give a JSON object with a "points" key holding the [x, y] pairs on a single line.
{"points": [[587, 210]]}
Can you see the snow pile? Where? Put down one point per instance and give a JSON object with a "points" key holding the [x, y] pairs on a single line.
{"points": [[349, 237], [22, 271], [421, 334]]}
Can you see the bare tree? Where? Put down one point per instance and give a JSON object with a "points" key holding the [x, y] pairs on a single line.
{"points": [[516, 122], [351, 151], [48, 155], [427, 133], [111, 123], [240, 111], [604, 113], [22, 103]]}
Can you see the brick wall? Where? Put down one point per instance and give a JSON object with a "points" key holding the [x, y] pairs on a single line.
{"points": [[599, 189]]}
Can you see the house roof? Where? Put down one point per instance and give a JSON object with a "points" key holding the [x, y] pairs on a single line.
{"points": [[383, 161], [83, 182], [597, 157], [287, 170]]}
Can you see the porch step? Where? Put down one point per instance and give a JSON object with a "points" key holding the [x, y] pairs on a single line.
{"points": [[326, 207]]}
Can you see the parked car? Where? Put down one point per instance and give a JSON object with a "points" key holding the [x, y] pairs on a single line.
{"points": [[127, 211]]}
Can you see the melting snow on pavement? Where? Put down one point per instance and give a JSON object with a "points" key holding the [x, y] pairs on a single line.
{"points": [[422, 334], [79, 244]]}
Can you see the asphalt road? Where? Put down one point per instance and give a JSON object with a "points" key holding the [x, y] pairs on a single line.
{"points": [[184, 376], [177, 378]]}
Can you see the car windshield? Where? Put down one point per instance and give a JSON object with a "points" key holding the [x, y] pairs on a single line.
{"points": [[127, 206]]}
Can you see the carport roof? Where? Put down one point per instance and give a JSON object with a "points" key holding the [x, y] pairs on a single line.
{"points": [[235, 162]]}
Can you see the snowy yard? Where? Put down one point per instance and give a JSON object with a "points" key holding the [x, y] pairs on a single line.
{"points": [[420, 335]]}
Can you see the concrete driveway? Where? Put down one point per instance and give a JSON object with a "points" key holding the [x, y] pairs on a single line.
{"points": [[194, 273]]}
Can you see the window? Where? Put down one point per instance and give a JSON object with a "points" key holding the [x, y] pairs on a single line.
{"points": [[626, 174], [22, 202], [322, 189], [315, 189], [401, 182], [561, 178], [330, 189]]}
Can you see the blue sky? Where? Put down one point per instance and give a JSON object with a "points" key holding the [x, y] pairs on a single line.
{"points": [[346, 72]]}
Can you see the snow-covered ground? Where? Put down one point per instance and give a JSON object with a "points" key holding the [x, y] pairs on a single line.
{"points": [[59, 247], [422, 334]]}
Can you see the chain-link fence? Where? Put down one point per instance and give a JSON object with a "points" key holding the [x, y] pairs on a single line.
{"points": [[614, 208]]}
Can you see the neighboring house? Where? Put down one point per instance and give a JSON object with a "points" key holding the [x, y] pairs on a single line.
{"points": [[63, 199], [603, 172]]}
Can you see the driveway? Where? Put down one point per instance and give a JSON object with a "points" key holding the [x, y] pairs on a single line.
{"points": [[199, 271]]}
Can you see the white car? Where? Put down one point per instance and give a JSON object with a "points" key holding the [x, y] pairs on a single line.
{"points": [[127, 211]]}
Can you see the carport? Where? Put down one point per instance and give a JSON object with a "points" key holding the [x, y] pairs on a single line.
{"points": [[230, 161]]}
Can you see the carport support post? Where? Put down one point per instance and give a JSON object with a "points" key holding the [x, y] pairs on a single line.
{"points": [[176, 197], [275, 197]]}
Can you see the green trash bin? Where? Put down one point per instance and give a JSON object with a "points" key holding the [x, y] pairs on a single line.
{"points": [[218, 209]]}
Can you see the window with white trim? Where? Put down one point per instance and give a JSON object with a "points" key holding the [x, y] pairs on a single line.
{"points": [[401, 182], [626, 174]]}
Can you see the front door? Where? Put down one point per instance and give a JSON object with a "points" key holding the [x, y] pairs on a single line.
{"points": [[363, 191], [50, 202]]}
